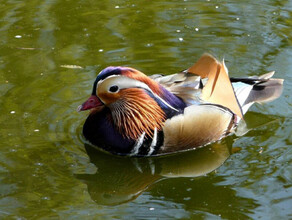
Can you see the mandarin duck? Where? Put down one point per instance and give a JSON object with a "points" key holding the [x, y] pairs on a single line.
{"points": [[138, 115]]}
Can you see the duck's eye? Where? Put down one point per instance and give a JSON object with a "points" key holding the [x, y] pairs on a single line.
{"points": [[114, 88]]}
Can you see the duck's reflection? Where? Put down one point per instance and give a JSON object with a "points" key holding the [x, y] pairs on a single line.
{"points": [[121, 179]]}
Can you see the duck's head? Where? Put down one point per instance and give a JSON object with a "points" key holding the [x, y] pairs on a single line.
{"points": [[133, 98]]}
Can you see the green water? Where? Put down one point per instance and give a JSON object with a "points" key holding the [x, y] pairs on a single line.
{"points": [[46, 171]]}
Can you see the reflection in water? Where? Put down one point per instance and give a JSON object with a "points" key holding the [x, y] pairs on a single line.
{"points": [[121, 179]]}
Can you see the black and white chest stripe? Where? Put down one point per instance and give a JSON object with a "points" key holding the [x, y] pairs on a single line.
{"points": [[146, 146]]}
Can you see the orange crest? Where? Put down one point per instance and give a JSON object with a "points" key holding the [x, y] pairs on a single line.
{"points": [[137, 75]]}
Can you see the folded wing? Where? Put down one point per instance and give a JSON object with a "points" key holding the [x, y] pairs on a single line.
{"points": [[198, 126]]}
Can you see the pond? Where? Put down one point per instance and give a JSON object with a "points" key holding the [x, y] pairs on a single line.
{"points": [[50, 53]]}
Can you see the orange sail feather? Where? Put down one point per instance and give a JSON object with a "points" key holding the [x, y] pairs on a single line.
{"points": [[218, 89]]}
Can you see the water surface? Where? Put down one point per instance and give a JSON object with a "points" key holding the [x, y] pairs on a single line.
{"points": [[50, 53]]}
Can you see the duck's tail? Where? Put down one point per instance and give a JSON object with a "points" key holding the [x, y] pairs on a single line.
{"points": [[256, 89]]}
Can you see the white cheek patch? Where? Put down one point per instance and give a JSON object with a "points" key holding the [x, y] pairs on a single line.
{"points": [[102, 80], [124, 82]]}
